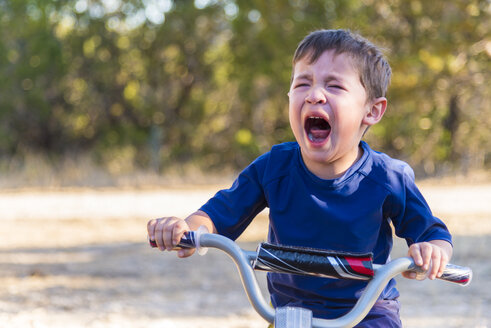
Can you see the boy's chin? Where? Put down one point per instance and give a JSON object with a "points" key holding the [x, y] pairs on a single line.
{"points": [[317, 155]]}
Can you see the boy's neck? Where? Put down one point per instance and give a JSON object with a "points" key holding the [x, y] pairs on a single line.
{"points": [[333, 170]]}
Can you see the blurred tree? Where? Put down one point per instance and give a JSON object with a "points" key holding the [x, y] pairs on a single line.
{"points": [[440, 62], [31, 66], [162, 83]]}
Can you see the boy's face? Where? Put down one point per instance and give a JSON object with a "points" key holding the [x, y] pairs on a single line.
{"points": [[329, 112]]}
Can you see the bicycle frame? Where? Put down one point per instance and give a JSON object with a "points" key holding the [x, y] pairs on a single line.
{"points": [[244, 259]]}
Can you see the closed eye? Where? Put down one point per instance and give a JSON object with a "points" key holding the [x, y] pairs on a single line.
{"points": [[336, 86]]}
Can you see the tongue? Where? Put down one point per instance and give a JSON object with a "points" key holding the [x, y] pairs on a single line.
{"points": [[317, 134]]}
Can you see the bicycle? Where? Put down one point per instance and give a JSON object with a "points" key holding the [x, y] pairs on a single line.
{"points": [[297, 260]]}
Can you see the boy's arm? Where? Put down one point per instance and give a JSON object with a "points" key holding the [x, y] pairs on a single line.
{"points": [[198, 219], [168, 231], [436, 252], [414, 221]]}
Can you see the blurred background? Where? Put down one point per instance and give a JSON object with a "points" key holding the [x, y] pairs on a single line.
{"points": [[113, 112], [94, 90]]}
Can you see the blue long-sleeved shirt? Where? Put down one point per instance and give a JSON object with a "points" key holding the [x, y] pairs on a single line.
{"points": [[351, 213]]}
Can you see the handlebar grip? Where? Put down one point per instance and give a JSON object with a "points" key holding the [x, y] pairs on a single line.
{"points": [[457, 274], [188, 240]]}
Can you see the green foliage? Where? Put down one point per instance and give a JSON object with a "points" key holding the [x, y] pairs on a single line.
{"points": [[154, 84]]}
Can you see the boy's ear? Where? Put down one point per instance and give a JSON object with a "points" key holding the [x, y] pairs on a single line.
{"points": [[376, 111]]}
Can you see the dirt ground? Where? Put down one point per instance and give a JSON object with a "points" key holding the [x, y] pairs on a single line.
{"points": [[79, 258]]}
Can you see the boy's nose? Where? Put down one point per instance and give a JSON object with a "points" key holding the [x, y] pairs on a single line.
{"points": [[316, 96]]}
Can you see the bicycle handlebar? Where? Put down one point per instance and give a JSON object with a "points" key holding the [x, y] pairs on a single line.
{"points": [[245, 260]]}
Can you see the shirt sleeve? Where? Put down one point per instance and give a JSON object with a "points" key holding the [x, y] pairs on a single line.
{"points": [[233, 209], [411, 215]]}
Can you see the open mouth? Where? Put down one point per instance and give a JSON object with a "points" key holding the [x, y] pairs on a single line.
{"points": [[317, 129]]}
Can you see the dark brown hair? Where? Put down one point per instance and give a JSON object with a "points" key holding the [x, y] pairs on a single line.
{"points": [[367, 58]]}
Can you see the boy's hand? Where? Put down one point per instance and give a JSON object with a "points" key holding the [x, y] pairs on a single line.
{"points": [[167, 232], [436, 252]]}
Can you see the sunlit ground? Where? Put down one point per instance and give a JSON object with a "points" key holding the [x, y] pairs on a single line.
{"points": [[78, 258]]}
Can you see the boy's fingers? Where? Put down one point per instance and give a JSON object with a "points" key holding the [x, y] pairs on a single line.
{"points": [[158, 235], [165, 233], [415, 253], [436, 261], [179, 229], [151, 229], [426, 253], [168, 232], [443, 261], [443, 264]]}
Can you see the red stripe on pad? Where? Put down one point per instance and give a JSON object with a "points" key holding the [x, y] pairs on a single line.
{"points": [[358, 266]]}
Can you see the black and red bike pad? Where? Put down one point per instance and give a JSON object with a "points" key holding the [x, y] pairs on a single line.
{"points": [[316, 262]]}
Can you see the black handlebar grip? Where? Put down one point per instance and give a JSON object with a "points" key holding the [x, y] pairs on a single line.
{"points": [[188, 240]]}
